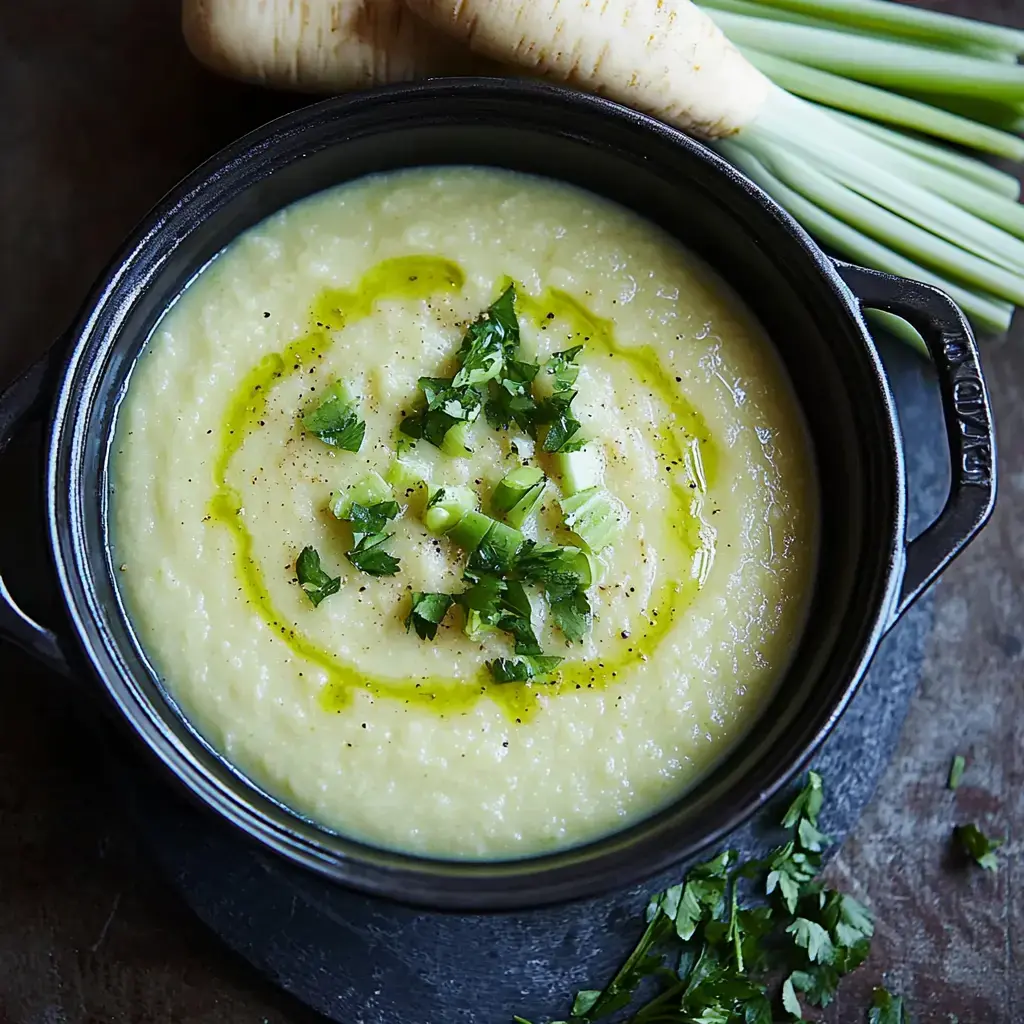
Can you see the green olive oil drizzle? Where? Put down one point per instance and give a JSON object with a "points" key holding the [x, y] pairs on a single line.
{"points": [[684, 442]]}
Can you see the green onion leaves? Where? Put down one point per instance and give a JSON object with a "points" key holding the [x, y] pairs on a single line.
{"points": [[335, 420], [316, 584]]}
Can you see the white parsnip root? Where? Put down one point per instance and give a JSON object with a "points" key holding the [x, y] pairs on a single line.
{"points": [[664, 57], [894, 201], [320, 45]]}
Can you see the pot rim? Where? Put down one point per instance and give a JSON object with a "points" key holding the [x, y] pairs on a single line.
{"points": [[449, 885]]}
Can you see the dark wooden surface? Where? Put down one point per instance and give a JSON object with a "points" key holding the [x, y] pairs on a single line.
{"points": [[101, 110]]}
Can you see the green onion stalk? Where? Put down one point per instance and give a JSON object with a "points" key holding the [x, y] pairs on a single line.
{"points": [[874, 137]]}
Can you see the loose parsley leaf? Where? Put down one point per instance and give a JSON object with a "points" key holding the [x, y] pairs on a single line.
{"points": [[335, 420], [446, 407], [563, 429], [807, 804], [814, 938], [956, 771], [562, 365], [713, 960], [522, 670], [315, 583], [790, 1003], [516, 616], [426, 613], [848, 921], [370, 557], [978, 845], [511, 399], [492, 337], [367, 519], [887, 1009], [817, 984], [572, 613]]}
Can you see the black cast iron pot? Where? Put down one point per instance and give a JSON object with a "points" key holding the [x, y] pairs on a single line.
{"points": [[810, 305]]}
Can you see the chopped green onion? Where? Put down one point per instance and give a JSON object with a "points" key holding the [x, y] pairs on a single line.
{"points": [[595, 516], [582, 468], [519, 493], [521, 511], [407, 473], [316, 584], [514, 486], [470, 529], [370, 490], [446, 507], [956, 771]]}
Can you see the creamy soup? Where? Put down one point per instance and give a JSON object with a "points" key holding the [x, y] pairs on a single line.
{"points": [[340, 711]]}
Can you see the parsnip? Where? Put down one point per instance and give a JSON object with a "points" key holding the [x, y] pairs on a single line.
{"points": [[669, 59], [320, 45], [664, 57]]}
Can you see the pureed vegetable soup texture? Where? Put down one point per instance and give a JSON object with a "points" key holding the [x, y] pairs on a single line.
{"points": [[466, 512]]}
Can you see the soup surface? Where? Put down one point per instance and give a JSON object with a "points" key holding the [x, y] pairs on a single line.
{"points": [[337, 709]]}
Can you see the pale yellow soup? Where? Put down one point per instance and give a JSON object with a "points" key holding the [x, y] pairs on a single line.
{"points": [[337, 710]]}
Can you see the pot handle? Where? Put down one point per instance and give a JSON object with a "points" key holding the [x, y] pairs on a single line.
{"points": [[970, 429], [22, 402]]}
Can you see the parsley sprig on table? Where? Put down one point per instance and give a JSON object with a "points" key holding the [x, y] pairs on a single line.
{"points": [[708, 956]]}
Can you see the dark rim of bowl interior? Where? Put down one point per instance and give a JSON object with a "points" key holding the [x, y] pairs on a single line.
{"points": [[620, 860]]}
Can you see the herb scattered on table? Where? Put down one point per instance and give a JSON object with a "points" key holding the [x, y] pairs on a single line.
{"points": [[316, 584], [714, 943], [887, 1009], [979, 846], [956, 771]]}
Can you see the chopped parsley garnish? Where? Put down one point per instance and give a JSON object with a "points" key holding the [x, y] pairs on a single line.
{"points": [[979, 846], [510, 397], [491, 340], [522, 670], [335, 420], [427, 612], [367, 519], [316, 584], [368, 524], [563, 428], [956, 771], [447, 406], [713, 960], [563, 367]]}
